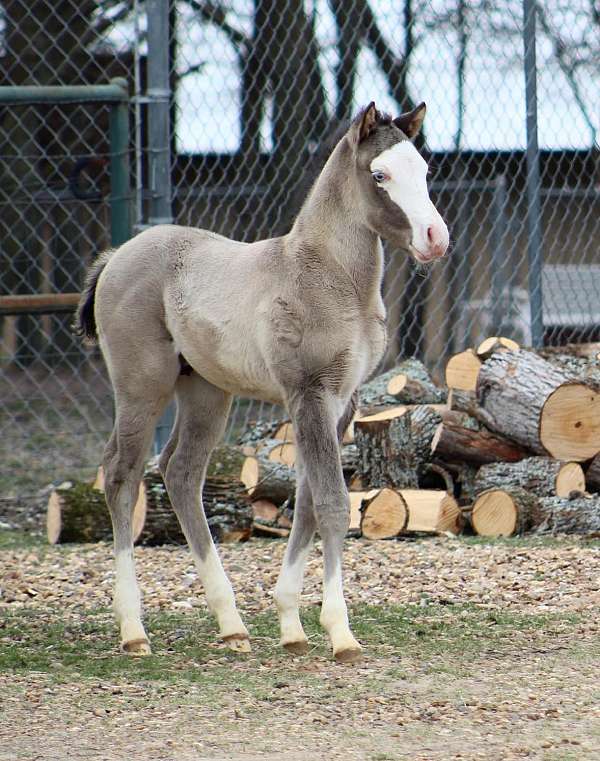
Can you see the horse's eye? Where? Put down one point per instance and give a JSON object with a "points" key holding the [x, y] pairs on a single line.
{"points": [[379, 176]]}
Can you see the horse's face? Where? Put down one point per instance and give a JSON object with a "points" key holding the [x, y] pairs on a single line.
{"points": [[392, 178]]}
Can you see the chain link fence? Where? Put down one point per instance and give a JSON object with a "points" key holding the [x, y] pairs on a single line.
{"points": [[233, 108]]}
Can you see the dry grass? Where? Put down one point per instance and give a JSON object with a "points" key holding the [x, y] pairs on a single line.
{"points": [[474, 650]]}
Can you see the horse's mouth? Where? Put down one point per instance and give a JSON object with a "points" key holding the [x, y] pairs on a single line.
{"points": [[422, 257]]}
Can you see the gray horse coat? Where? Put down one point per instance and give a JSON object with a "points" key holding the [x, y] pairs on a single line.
{"points": [[297, 320]]}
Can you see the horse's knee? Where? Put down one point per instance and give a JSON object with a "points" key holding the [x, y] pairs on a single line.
{"points": [[333, 519]]}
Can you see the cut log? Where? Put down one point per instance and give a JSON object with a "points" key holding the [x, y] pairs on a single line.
{"points": [[78, 513], [259, 430], [226, 506], [269, 519], [265, 479], [408, 382], [466, 401], [432, 511], [356, 502], [349, 455], [267, 530], [423, 425], [533, 403], [461, 438], [570, 422], [386, 455], [99, 480], [277, 451], [586, 350], [264, 510], [384, 515], [462, 370], [499, 512], [285, 432], [582, 369], [592, 474], [495, 343], [570, 516], [226, 462], [541, 476]]}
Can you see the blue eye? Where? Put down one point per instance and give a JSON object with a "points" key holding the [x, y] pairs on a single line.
{"points": [[379, 176]]}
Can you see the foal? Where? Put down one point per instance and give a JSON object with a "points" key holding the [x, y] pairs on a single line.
{"points": [[296, 320]]}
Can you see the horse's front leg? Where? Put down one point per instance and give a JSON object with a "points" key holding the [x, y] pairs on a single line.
{"points": [[315, 415], [289, 584]]}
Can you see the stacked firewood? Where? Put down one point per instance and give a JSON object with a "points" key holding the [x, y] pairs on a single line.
{"points": [[501, 450], [510, 444]]}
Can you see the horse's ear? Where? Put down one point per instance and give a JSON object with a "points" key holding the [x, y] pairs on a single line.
{"points": [[410, 123], [365, 123]]}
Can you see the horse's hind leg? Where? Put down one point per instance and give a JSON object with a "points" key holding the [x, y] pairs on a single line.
{"points": [[123, 466], [202, 411], [143, 382]]}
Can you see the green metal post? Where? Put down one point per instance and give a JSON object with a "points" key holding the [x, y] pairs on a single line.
{"points": [[120, 194]]}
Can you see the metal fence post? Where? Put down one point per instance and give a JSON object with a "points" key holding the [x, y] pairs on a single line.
{"points": [[120, 211], [159, 147], [534, 212], [159, 94], [500, 283]]}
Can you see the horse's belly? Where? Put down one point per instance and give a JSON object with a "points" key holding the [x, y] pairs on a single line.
{"points": [[237, 369]]}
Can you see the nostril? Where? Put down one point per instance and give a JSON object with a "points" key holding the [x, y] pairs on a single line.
{"points": [[430, 234]]}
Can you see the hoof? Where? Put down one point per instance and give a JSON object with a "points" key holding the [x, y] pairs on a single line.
{"points": [[300, 647], [350, 655], [136, 647], [239, 643]]}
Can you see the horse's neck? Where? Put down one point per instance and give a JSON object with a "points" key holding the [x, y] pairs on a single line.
{"points": [[328, 227]]}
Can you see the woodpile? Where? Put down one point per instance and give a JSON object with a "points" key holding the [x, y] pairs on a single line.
{"points": [[510, 444]]}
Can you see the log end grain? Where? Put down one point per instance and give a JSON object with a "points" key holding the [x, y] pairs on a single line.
{"points": [[397, 384], [504, 512], [462, 370], [249, 474], [570, 422], [284, 453], [495, 343], [384, 515], [356, 502], [570, 478], [53, 518], [494, 514]]}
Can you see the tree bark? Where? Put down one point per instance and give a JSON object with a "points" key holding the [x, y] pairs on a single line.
{"points": [[504, 512], [564, 516], [226, 506], [265, 479], [592, 474], [460, 438], [388, 389], [424, 422], [532, 402], [386, 454], [541, 476], [77, 512]]}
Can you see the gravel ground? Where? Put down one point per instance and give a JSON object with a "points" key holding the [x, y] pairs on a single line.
{"points": [[537, 696]]}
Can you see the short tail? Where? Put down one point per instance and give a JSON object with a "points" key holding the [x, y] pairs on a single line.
{"points": [[85, 321]]}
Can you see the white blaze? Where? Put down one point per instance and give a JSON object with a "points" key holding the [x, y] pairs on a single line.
{"points": [[407, 187]]}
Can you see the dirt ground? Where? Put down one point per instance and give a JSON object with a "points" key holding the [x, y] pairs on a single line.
{"points": [[473, 650]]}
